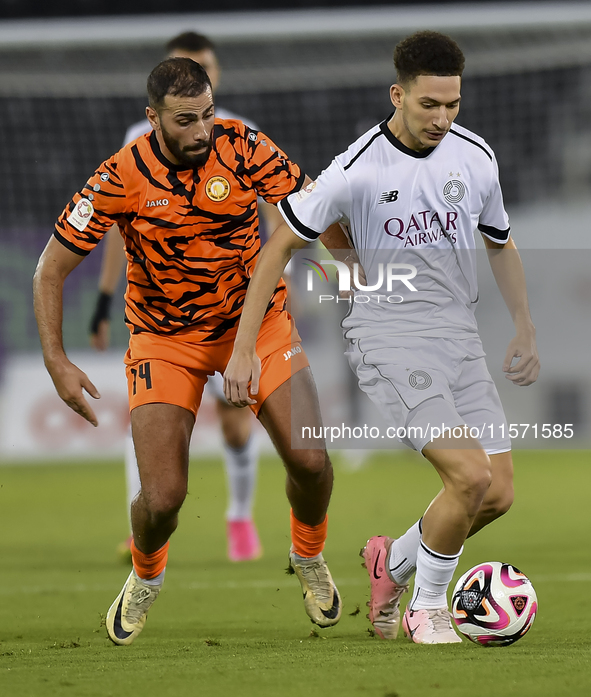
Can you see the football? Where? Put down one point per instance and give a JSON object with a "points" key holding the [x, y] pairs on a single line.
{"points": [[494, 604]]}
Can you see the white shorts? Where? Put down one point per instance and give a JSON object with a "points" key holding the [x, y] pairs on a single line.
{"points": [[422, 384]]}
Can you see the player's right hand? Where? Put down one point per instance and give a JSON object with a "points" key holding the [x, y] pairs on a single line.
{"points": [[242, 370], [100, 338], [69, 382]]}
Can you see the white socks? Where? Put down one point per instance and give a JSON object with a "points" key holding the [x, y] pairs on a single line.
{"points": [[434, 571], [403, 554], [434, 574], [241, 475], [156, 581]]}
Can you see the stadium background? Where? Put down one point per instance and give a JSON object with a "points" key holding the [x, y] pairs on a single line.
{"points": [[313, 79]]}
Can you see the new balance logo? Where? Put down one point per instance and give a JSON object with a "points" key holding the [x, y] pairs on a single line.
{"points": [[388, 197]]}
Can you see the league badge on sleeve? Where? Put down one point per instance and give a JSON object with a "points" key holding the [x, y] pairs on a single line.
{"points": [[81, 215], [305, 191]]}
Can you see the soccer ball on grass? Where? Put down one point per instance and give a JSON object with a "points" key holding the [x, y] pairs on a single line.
{"points": [[494, 604]]}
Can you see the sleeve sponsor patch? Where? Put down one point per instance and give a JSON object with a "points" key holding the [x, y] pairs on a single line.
{"points": [[81, 215], [301, 195]]}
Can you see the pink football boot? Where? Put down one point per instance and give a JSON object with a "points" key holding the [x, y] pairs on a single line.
{"points": [[384, 602], [243, 541], [429, 626]]}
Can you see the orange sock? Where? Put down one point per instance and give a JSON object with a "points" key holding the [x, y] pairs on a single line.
{"points": [[149, 566], [307, 540]]}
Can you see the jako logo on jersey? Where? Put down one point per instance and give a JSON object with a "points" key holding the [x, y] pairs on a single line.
{"points": [[218, 188], [388, 197], [344, 275], [423, 227], [294, 350], [159, 202], [454, 191]]}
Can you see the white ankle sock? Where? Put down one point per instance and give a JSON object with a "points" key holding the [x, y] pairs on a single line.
{"points": [[241, 475], [318, 557], [403, 554], [434, 574], [156, 581]]}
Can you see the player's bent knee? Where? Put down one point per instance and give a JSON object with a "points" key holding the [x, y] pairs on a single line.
{"points": [[308, 463], [474, 485], [500, 504], [472, 479], [164, 503]]}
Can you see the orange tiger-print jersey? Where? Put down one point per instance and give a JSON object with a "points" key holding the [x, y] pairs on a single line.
{"points": [[191, 236]]}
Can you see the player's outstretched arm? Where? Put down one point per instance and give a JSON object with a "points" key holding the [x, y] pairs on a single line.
{"points": [[508, 271], [55, 264], [112, 267], [244, 366]]}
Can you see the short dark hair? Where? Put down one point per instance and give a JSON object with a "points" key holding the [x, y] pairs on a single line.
{"points": [[181, 77], [190, 42], [427, 53]]}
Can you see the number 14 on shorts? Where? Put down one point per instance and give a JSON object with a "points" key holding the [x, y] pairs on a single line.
{"points": [[143, 373]]}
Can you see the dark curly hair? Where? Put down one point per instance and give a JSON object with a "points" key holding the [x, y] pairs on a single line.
{"points": [[427, 53], [180, 77]]}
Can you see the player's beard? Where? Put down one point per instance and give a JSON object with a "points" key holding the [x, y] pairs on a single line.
{"points": [[188, 156]]}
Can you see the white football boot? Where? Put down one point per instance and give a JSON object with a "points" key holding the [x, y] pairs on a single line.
{"points": [[321, 597], [127, 615]]}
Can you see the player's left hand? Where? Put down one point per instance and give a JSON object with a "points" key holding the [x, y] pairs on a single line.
{"points": [[525, 371], [242, 370]]}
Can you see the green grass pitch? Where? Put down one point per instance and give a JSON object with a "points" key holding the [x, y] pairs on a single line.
{"points": [[240, 629]]}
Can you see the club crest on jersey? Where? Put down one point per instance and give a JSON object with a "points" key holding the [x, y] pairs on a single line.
{"points": [[81, 215], [157, 202], [454, 191], [217, 189], [420, 380]]}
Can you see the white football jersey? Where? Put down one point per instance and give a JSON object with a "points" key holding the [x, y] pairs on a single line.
{"points": [[143, 127], [415, 209]]}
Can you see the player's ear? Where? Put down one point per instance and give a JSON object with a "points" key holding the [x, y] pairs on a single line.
{"points": [[152, 116], [396, 95]]}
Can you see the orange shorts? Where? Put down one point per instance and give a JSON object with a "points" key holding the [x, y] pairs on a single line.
{"points": [[174, 370]]}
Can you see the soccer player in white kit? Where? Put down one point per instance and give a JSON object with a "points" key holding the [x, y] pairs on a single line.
{"points": [[240, 443], [412, 191]]}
